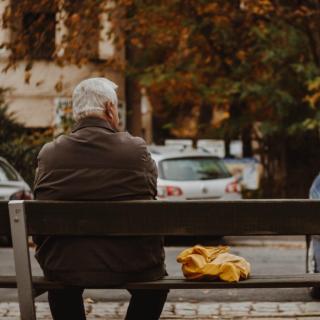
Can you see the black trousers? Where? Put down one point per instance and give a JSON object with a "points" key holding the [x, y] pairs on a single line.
{"points": [[67, 304]]}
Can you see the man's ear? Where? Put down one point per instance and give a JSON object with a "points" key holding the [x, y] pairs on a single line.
{"points": [[110, 115], [108, 112]]}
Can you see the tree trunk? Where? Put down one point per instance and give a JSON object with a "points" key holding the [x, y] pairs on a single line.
{"points": [[283, 169], [227, 142], [276, 175], [133, 93], [204, 120], [246, 142], [133, 102], [314, 32]]}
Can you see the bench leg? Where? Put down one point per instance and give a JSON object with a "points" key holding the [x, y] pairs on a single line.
{"points": [[22, 260]]}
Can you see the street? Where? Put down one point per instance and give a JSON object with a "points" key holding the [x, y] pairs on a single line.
{"points": [[267, 255]]}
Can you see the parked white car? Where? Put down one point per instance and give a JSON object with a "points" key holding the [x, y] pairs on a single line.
{"points": [[12, 185], [188, 174]]}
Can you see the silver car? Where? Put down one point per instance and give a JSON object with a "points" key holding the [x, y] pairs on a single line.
{"points": [[193, 174], [12, 185]]}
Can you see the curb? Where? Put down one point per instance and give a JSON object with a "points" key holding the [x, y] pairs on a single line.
{"points": [[267, 243]]}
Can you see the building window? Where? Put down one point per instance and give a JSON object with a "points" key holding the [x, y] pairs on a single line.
{"points": [[39, 34], [33, 25]]}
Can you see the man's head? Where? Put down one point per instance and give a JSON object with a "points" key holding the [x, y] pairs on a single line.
{"points": [[96, 97]]}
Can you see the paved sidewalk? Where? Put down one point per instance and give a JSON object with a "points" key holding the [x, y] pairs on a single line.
{"points": [[235, 310]]}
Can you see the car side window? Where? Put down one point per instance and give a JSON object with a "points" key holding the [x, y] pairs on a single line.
{"points": [[7, 173]]}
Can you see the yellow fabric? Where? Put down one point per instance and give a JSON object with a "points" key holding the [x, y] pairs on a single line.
{"points": [[213, 262]]}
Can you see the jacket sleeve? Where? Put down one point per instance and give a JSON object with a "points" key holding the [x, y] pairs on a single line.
{"points": [[150, 170], [40, 172], [37, 177]]}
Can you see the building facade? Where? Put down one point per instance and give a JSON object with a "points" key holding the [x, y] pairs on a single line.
{"points": [[35, 95]]}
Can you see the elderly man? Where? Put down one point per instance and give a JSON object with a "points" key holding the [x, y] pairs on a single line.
{"points": [[98, 162]]}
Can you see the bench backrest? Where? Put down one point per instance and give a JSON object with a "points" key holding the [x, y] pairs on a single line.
{"points": [[256, 217], [243, 217], [4, 219]]}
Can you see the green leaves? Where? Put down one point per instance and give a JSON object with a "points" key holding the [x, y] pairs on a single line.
{"points": [[19, 145]]}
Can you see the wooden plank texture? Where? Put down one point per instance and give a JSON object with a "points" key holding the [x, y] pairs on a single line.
{"points": [[264, 281], [183, 218], [4, 219]]}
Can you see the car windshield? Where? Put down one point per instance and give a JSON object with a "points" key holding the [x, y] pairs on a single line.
{"points": [[7, 173], [191, 169]]}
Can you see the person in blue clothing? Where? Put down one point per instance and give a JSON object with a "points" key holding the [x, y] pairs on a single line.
{"points": [[314, 193]]}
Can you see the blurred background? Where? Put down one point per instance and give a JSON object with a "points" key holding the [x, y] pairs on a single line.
{"points": [[230, 87]]}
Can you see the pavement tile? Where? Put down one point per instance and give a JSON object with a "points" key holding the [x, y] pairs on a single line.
{"points": [[290, 309], [102, 309], [208, 309], [185, 310], [13, 310], [234, 309], [266, 309], [265, 306], [122, 309], [4, 308], [168, 309], [241, 307], [311, 307]]}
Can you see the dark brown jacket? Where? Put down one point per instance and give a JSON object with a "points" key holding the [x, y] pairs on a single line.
{"points": [[95, 162]]}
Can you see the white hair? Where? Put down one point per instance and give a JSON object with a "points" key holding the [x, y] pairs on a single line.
{"points": [[90, 96]]}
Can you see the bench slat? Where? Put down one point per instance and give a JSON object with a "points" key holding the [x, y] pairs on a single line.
{"points": [[261, 281], [194, 218]]}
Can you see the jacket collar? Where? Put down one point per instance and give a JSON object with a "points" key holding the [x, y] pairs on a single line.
{"points": [[93, 122]]}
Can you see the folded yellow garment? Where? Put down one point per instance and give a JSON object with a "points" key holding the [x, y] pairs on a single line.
{"points": [[213, 262]]}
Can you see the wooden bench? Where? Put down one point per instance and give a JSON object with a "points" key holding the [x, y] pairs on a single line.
{"points": [[6, 281], [192, 218]]}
